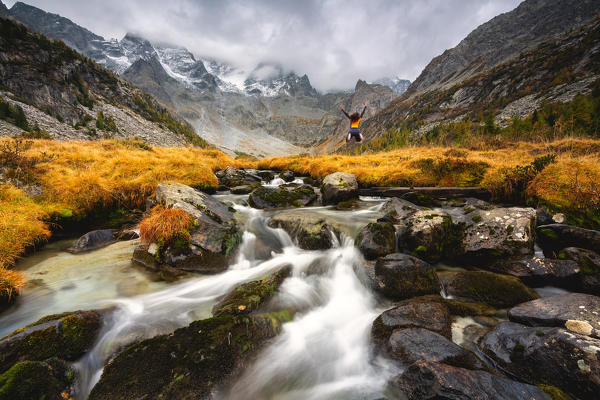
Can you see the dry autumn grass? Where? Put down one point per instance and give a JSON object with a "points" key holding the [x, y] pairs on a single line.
{"points": [[80, 177], [166, 225]]}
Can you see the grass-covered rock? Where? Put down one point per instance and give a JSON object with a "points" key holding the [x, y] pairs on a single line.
{"points": [[248, 297], [188, 363], [67, 336], [377, 239], [187, 231], [36, 380], [497, 290], [282, 197]]}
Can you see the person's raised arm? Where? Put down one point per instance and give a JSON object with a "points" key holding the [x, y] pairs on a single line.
{"points": [[364, 109], [344, 111]]}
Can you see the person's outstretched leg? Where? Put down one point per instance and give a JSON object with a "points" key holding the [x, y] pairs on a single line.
{"points": [[348, 137], [360, 137]]}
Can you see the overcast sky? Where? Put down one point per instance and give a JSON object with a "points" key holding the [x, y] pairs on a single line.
{"points": [[335, 42]]}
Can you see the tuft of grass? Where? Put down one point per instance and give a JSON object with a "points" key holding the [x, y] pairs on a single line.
{"points": [[165, 226], [11, 283], [21, 224]]}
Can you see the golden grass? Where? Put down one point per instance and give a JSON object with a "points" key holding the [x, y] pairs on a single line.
{"points": [[165, 225], [11, 283], [80, 177], [21, 224]]}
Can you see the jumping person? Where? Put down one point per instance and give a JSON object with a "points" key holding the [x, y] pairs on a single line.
{"points": [[354, 118]]}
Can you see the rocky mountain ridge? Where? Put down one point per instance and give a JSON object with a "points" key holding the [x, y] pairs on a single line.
{"points": [[67, 96], [268, 111]]}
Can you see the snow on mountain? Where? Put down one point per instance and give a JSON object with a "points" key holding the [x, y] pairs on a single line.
{"points": [[397, 84]]}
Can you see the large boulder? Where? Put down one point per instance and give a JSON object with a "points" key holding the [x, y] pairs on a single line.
{"points": [[555, 237], [377, 239], [339, 186], [574, 311], [214, 234], [190, 362], [497, 234], [93, 240], [407, 346], [589, 261], [309, 231], [430, 235], [249, 296], [287, 176], [232, 177], [281, 197], [66, 336], [431, 380], [429, 312], [401, 276], [397, 210], [549, 356], [536, 272], [29, 380], [497, 290]]}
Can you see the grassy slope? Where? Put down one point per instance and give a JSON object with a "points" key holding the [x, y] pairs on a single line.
{"points": [[82, 177]]}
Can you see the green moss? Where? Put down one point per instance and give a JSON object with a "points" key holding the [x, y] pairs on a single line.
{"points": [[464, 308], [231, 243], [562, 256], [540, 333], [555, 393], [32, 380], [476, 218], [510, 229], [468, 210], [548, 233]]}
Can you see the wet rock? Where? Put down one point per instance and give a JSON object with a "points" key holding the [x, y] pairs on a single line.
{"points": [[282, 197], [92, 241], [244, 189], [401, 276], [309, 231], [190, 362], [398, 209], [543, 217], [494, 289], [315, 182], [287, 176], [213, 237], [557, 310], [589, 261], [421, 199], [29, 380], [467, 308], [232, 177], [498, 233], [248, 297], [550, 356], [413, 344], [430, 380], [377, 239], [536, 272], [429, 235], [429, 312], [66, 336], [559, 218], [339, 186], [555, 237], [266, 175]]}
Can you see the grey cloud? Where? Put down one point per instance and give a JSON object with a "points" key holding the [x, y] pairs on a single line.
{"points": [[335, 42]]}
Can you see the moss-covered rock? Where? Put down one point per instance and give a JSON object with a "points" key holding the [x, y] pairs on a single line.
{"points": [[232, 177], [589, 262], [555, 237], [339, 186], [401, 276], [188, 363], [35, 380], [309, 231], [67, 336], [377, 239], [248, 297], [205, 247], [282, 196], [497, 290]]}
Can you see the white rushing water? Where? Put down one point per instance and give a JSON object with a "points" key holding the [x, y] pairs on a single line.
{"points": [[322, 354]]}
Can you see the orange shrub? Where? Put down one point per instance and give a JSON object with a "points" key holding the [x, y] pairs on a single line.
{"points": [[165, 225]]}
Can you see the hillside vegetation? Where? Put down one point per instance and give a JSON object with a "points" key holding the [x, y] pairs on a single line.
{"points": [[83, 180]]}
